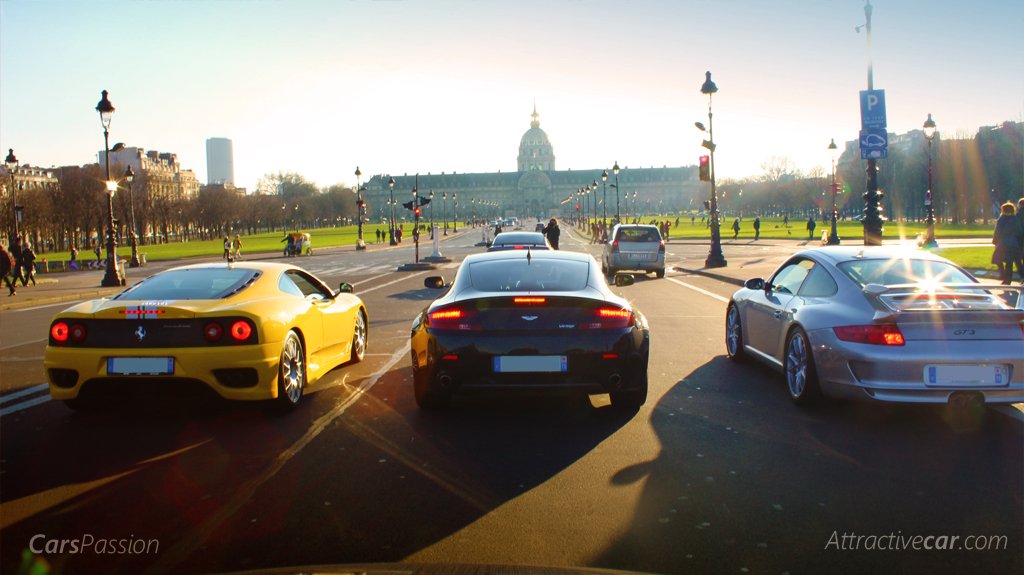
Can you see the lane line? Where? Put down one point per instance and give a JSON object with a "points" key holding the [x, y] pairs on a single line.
{"points": [[24, 405], [371, 279], [68, 303], [244, 492], [22, 343], [393, 282], [695, 288], [24, 392]]}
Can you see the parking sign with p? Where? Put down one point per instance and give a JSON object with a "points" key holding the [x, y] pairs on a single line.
{"points": [[872, 109]]}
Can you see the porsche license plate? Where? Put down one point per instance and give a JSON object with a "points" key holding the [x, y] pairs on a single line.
{"points": [[140, 365], [530, 363], [966, 375]]}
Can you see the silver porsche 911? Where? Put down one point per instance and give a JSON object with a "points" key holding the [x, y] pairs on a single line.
{"points": [[888, 324]]}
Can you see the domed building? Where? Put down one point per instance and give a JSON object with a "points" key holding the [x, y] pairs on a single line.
{"points": [[536, 189], [535, 150]]}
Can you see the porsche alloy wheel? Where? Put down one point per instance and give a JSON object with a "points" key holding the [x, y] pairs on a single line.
{"points": [[801, 377], [734, 335], [359, 337], [292, 371]]}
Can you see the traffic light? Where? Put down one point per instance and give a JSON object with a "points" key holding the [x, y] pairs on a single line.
{"points": [[705, 169], [417, 212]]}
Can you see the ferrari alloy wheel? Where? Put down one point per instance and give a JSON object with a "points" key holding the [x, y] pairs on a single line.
{"points": [[734, 335], [291, 378], [359, 337], [801, 377]]}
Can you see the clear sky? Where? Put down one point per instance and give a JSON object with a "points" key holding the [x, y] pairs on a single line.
{"points": [[319, 87]]}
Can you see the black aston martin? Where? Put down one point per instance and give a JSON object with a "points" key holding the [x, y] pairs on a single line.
{"points": [[530, 321]]}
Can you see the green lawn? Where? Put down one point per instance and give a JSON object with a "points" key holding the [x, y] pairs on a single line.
{"points": [[979, 258], [321, 238], [773, 228]]}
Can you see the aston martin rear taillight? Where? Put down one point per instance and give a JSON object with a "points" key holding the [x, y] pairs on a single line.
{"points": [[454, 317], [606, 318]]}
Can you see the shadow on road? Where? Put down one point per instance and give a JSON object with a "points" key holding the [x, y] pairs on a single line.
{"points": [[747, 480]]}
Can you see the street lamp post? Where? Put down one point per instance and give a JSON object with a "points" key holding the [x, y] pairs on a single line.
{"points": [[444, 208], [715, 257], [112, 277], [129, 176], [391, 225], [604, 197], [929, 240], [455, 214], [360, 244], [872, 197], [431, 214], [615, 170], [12, 166], [833, 238], [634, 207]]}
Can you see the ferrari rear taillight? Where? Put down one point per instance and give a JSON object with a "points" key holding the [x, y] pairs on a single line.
{"points": [[240, 330], [606, 318], [59, 331], [884, 334], [213, 331], [78, 332], [454, 317]]}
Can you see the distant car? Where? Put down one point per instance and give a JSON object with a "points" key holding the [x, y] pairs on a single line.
{"points": [[634, 247], [517, 321], [881, 324], [511, 222], [246, 330], [539, 227], [519, 241]]}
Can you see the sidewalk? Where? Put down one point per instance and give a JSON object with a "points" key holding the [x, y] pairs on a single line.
{"points": [[57, 287]]}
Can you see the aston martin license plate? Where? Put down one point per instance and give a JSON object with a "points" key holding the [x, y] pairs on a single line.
{"points": [[530, 363], [140, 365], [961, 375]]}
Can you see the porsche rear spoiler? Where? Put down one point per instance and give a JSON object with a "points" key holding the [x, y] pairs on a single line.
{"points": [[946, 297]]}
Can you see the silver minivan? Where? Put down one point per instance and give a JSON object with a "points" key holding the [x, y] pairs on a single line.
{"points": [[634, 247]]}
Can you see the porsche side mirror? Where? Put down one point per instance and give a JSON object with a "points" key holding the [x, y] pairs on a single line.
{"points": [[754, 283], [623, 280], [434, 282], [346, 288]]}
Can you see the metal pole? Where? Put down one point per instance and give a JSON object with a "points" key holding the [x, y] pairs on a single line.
{"points": [[391, 226], [618, 218], [360, 244], [135, 242], [431, 214], [111, 278], [872, 197], [715, 257], [930, 238]]}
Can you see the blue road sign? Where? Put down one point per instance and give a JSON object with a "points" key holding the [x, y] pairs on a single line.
{"points": [[874, 139], [872, 109], [874, 154]]}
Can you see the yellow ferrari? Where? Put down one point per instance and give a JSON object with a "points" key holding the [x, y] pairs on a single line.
{"points": [[248, 331]]}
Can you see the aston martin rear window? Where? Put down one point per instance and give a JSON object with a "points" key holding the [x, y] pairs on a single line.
{"points": [[195, 283], [529, 275]]}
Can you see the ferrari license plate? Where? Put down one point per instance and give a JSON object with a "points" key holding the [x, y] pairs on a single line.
{"points": [[961, 375], [140, 365], [530, 363]]}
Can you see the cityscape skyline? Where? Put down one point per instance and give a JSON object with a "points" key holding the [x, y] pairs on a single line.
{"points": [[319, 88]]}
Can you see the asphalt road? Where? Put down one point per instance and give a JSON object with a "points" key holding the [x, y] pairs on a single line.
{"points": [[717, 473]]}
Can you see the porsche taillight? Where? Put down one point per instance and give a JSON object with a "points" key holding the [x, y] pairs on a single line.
{"points": [[606, 317], [455, 316], [883, 334]]}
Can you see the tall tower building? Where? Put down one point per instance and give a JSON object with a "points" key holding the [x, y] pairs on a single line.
{"points": [[220, 163], [535, 150]]}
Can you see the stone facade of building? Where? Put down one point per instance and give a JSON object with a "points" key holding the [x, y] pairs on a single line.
{"points": [[161, 171], [537, 189]]}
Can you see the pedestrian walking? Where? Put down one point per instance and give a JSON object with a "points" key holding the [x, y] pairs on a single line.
{"points": [[736, 228], [1020, 262], [668, 228], [378, 236], [1008, 238], [693, 220], [6, 265], [757, 228], [227, 247], [28, 264], [73, 263], [785, 221], [237, 245], [552, 232], [16, 272], [96, 250], [810, 227]]}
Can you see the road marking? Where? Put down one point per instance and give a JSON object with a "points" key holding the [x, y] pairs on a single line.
{"points": [[68, 303], [24, 392], [394, 282], [22, 343], [244, 492], [451, 265], [24, 405], [371, 279], [695, 288]]}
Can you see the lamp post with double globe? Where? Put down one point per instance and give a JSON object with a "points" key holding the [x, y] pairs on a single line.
{"points": [[929, 240], [715, 257], [455, 214], [391, 227], [833, 237], [112, 277], [615, 170], [11, 163]]}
